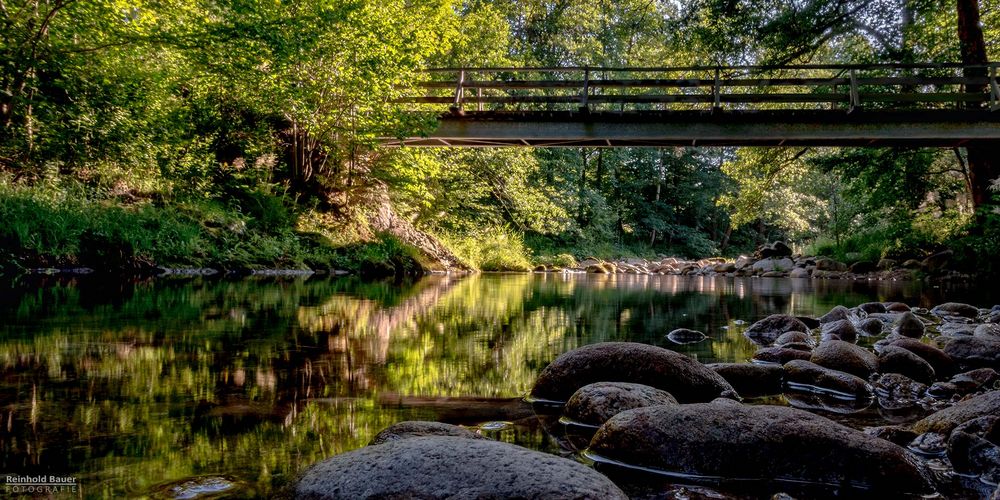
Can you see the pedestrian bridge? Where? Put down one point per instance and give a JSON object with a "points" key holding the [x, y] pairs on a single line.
{"points": [[796, 105]]}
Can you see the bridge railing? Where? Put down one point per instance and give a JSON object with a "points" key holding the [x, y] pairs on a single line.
{"points": [[748, 88]]}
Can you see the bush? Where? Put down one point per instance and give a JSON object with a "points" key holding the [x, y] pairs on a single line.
{"points": [[497, 248]]}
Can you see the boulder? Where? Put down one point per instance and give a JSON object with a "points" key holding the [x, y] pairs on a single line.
{"points": [[780, 355], [909, 325], [936, 262], [765, 331], [685, 336], [685, 378], [893, 433], [955, 309], [975, 352], [841, 329], [730, 440], [870, 326], [799, 272], [895, 390], [872, 308], [825, 264], [794, 337], [800, 373], [987, 330], [845, 357], [942, 363], [751, 379], [862, 267], [974, 380], [451, 467], [838, 313], [886, 264], [725, 267], [897, 307], [780, 249], [973, 448], [773, 264], [594, 404], [894, 359], [911, 264], [416, 428], [596, 269], [947, 419]]}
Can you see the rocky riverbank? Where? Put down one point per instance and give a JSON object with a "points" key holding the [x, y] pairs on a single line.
{"points": [[924, 385], [773, 261]]}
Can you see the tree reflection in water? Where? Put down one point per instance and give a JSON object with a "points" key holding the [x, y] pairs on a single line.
{"points": [[129, 385]]}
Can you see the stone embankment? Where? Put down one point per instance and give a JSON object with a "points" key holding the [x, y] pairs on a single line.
{"points": [[761, 428], [771, 261]]}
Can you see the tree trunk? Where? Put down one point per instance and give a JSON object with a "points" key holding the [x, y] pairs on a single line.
{"points": [[983, 158]]}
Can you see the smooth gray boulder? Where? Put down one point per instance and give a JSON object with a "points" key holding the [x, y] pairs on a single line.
{"points": [[685, 378], [440, 467], [841, 329], [419, 428], [794, 338], [593, 404], [731, 440], [845, 357], [780, 355], [767, 330], [909, 325], [943, 421], [838, 313], [871, 327]]}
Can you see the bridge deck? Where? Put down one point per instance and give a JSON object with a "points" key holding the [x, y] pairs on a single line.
{"points": [[875, 105]]}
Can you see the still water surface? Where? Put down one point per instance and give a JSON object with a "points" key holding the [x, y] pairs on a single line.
{"points": [[144, 388]]}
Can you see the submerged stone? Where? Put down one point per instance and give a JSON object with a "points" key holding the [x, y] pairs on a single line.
{"points": [[767, 330], [845, 357], [955, 309], [726, 439], [975, 352], [685, 336], [894, 359], [683, 377], [947, 419], [451, 467], [751, 379], [419, 428], [809, 376]]}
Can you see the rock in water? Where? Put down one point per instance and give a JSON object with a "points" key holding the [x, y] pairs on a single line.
{"points": [[840, 330], [944, 421], [686, 379], [975, 352], [955, 309], [451, 467], [594, 404], [416, 428], [751, 379], [894, 359], [730, 440], [767, 330], [820, 379], [909, 325], [943, 364], [836, 314], [685, 336], [846, 357]]}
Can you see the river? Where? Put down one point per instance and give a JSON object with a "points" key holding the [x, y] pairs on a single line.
{"points": [[173, 386]]}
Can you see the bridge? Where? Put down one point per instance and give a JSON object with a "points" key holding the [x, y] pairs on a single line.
{"points": [[944, 105]]}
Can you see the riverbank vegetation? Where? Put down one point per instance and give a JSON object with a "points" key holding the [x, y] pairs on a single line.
{"points": [[242, 135]]}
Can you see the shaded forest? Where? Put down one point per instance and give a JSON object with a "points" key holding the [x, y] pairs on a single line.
{"points": [[243, 134]]}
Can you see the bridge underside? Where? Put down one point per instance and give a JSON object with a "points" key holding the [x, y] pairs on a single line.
{"points": [[940, 128]]}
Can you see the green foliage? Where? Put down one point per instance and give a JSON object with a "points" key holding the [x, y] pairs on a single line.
{"points": [[496, 248]]}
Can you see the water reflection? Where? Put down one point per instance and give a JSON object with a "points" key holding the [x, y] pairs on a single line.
{"points": [[131, 386]]}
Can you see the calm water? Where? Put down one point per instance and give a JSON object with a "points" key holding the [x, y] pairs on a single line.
{"points": [[135, 388]]}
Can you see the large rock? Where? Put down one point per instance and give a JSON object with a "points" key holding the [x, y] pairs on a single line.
{"points": [[765, 331], [841, 330], [909, 325], [751, 379], [871, 327], [975, 352], [780, 355], [730, 440], [593, 404], [942, 422], [417, 428], [872, 308], [820, 379], [451, 467], [845, 357], [943, 365], [794, 338], [683, 377], [773, 264], [955, 309], [973, 448], [894, 359], [825, 264], [836, 314]]}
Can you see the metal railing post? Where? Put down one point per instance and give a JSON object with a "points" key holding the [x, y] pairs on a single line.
{"points": [[585, 95], [994, 90], [855, 96]]}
